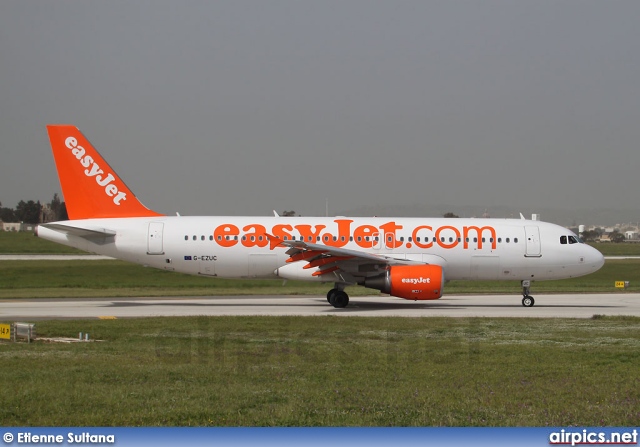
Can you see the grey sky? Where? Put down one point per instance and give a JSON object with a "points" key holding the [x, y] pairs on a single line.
{"points": [[240, 107]]}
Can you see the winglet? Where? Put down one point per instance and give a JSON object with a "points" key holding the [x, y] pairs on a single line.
{"points": [[90, 187]]}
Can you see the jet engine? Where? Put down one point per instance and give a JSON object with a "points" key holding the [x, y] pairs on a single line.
{"points": [[411, 282]]}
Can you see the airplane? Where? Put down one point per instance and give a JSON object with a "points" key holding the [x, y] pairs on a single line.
{"points": [[409, 258]]}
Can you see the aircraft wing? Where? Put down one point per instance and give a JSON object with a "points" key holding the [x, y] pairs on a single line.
{"points": [[347, 264]]}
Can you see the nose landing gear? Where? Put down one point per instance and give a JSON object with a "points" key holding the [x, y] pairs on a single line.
{"points": [[527, 300]]}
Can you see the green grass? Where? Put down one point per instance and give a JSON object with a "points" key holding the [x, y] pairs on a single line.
{"points": [[326, 371], [52, 279], [28, 243], [623, 249]]}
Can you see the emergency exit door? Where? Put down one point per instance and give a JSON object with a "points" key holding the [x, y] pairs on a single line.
{"points": [[154, 239]]}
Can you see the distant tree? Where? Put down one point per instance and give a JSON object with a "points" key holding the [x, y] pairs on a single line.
{"points": [[55, 205], [450, 215], [28, 212], [62, 212], [288, 213], [7, 214], [57, 210], [617, 237], [589, 235]]}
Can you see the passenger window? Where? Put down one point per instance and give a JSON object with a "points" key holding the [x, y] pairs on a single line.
{"points": [[202, 237], [499, 240], [186, 238], [507, 240], [515, 240], [195, 237]]}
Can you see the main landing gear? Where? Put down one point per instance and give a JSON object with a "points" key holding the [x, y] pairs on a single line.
{"points": [[527, 300], [337, 297]]}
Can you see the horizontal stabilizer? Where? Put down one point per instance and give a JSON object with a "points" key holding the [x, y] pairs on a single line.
{"points": [[76, 230]]}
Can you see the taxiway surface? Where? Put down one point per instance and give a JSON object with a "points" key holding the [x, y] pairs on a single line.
{"points": [[563, 306]]}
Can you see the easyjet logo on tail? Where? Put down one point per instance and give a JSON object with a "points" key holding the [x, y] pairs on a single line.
{"points": [[94, 170]]}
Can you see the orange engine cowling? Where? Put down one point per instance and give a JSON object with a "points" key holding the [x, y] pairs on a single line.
{"points": [[411, 282]]}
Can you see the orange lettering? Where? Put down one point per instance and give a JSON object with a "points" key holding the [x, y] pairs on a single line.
{"points": [[479, 232], [364, 232], [441, 242], [282, 231], [344, 231], [307, 235], [416, 238], [257, 238], [226, 235]]}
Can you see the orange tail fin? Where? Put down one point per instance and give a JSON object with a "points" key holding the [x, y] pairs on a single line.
{"points": [[90, 187]]}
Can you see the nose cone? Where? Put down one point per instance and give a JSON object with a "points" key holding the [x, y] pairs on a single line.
{"points": [[593, 259]]}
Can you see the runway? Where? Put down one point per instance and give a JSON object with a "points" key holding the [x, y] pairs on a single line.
{"points": [[547, 306]]}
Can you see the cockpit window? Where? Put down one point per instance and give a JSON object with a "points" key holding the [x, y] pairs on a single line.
{"points": [[563, 239], [573, 240]]}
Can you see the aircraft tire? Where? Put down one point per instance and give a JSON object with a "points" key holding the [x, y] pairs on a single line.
{"points": [[330, 293], [528, 301], [339, 299]]}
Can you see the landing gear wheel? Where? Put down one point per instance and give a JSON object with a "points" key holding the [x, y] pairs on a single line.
{"points": [[528, 301], [339, 299], [330, 293]]}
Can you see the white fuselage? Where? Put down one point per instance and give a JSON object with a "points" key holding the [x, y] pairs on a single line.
{"points": [[236, 247]]}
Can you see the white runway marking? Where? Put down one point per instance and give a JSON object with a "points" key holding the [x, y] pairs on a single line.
{"points": [[552, 306]]}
